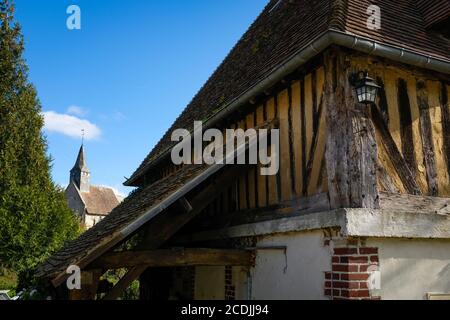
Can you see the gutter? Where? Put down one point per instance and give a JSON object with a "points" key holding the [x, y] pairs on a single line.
{"points": [[315, 47]]}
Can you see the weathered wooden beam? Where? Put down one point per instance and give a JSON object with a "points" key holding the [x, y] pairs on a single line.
{"points": [[406, 125], [164, 226], [132, 274], [176, 258], [427, 138], [445, 114], [403, 170], [385, 180], [317, 148], [290, 208], [351, 150], [417, 204]]}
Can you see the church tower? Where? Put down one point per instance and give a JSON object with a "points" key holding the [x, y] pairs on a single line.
{"points": [[80, 174]]}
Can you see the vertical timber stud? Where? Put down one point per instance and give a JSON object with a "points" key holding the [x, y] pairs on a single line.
{"points": [[351, 151]]}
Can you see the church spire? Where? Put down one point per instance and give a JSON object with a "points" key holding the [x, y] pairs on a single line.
{"points": [[79, 174]]}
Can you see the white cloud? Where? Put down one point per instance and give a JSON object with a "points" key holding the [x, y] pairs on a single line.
{"points": [[70, 125], [76, 111]]}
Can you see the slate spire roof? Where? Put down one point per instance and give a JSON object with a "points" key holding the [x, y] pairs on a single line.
{"points": [[80, 163]]}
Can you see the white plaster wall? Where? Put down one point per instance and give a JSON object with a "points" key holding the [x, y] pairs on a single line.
{"points": [[209, 283], [412, 268], [91, 220], [297, 275], [74, 201]]}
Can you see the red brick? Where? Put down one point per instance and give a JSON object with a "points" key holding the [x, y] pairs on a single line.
{"points": [[363, 267], [345, 268], [335, 259], [354, 259], [363, 285], [368, 250], [344, 251], [355, 276], [336, 292], [327, 284], [355, 293], [373, 258], [329, 274], [347, 285]]}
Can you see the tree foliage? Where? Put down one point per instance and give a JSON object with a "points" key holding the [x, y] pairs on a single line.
{"points": [[34, 217]]}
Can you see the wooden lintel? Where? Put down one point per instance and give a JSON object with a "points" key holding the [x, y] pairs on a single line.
{"points": [[176, 258]]}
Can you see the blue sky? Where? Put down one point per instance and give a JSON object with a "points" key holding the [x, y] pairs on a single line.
{"points": [[126, 75]]}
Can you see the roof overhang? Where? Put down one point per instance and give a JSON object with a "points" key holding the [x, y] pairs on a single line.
{"points": [[305, 54], [392, 222], [130, 228]]}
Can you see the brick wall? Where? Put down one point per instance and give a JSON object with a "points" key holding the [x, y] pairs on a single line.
{"points": [[230, 289], [351, 267]]}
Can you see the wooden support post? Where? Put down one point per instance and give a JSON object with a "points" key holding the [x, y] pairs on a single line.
{"points": [[165, 225], [132, 274], [351, 151], [427, 136]]}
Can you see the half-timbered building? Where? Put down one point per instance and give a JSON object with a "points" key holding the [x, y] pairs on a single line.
{"points": [[359, 208]]}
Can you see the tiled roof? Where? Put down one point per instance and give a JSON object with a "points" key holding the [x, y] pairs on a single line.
{"points": [[133, 207], [284, 28], [80, 163], [99, 200], [434, 11]]}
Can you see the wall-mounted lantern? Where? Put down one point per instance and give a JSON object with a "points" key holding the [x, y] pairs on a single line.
{"points": [[366, 88]]}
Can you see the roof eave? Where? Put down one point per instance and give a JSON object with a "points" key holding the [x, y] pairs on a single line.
{"points": [[305, 54]]}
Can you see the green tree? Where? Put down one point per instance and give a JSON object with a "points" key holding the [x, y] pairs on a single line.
{"points": [[34, 217]]}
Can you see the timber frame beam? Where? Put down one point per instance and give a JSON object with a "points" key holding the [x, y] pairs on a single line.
{"points": [[176, 258], [164, 226], [351, 151]]}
